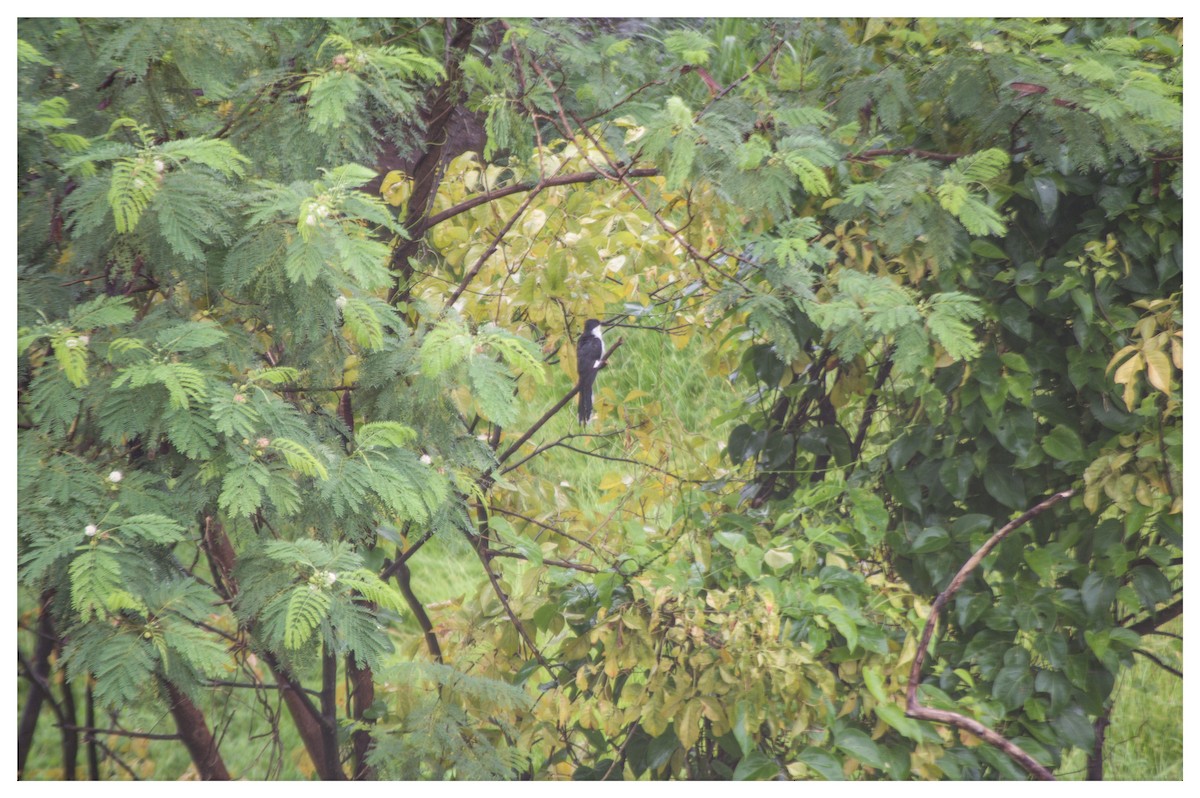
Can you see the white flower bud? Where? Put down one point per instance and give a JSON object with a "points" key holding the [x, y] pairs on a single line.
{"points": [[330, 578], [426, 459], [262, 443], [72, 343], [340, 302], [239, 398], [322, 211], [159, 166], [311, 220], [115, 476], [84, 339], [90, 530]]}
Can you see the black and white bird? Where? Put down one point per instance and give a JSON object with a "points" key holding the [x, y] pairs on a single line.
{"points": [[589, 351]]}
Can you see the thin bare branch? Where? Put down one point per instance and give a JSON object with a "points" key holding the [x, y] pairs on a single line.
{"points": [[549, 414]]}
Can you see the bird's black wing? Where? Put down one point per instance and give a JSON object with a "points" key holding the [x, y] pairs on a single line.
{"points": [[587, 355]]}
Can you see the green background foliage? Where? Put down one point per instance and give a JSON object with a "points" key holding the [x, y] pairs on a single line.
{"points": [[295, 297]]}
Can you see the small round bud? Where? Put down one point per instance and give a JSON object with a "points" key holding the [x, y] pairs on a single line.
{"points": [[239, 398], [322, 211], [426, 459], [159, 166], [340, 302], [90, 530], [115, 476], [262, 443], [330, 578]]}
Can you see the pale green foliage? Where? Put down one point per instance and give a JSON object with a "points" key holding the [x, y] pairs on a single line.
{"points": [[95, 578], [444, 346], [306, 607], [299, 458], [384, 433], [436, 732], [362, 324]]}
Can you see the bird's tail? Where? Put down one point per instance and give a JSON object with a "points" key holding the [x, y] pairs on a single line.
{"points": [[585, 397]]}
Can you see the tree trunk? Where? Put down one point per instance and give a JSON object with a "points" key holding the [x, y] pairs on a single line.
{"points": [[363, 683], [1095, 764], [193, 730], [70, 737], [329, 671], [38, 684]]}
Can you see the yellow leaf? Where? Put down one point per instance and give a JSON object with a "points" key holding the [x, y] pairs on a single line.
{"points": [[396, 188], [1158, 369], [1118, 357], [1125, 376], [610, 481], [687, 723]]}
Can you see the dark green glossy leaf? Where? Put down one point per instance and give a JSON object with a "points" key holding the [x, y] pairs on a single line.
{"points": [[1006, 487], [823, 762], [858, 745], [756, 766]]}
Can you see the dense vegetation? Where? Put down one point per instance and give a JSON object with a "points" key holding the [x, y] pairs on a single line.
{"points": [[885, 479]]}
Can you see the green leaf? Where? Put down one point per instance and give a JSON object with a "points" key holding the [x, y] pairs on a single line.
{"points": [[299, 458], [1063, 443], [1098, 593], [363, 324], [384, 433], [1012, 685], [1006, 487], [858, 745], [1075, 728], [822, 762], [756, 766], [153, 528], [931, 539], [894, 716], [306, 609]]}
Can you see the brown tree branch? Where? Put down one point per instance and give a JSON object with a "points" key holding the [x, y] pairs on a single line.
{"points": [[491, 248], [1150, 624], [427, 171], [549, 414], [193, 731], [1158, 662], [943, 157], [480, 546], [38, 671], [309, 722], [89, 729], [404, 582], [914, 709], [329, 735], [574, 566], [517, 188]]}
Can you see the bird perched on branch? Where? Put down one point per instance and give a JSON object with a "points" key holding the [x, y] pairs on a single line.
{"points": [[589, 352]]}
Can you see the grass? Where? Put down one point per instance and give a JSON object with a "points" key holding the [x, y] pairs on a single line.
{"points": [[1144, 741]]}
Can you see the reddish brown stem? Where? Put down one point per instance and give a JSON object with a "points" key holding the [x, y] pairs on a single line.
{"points": [[363, 682], [549, 414], [913, 707], [193, 730]]}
